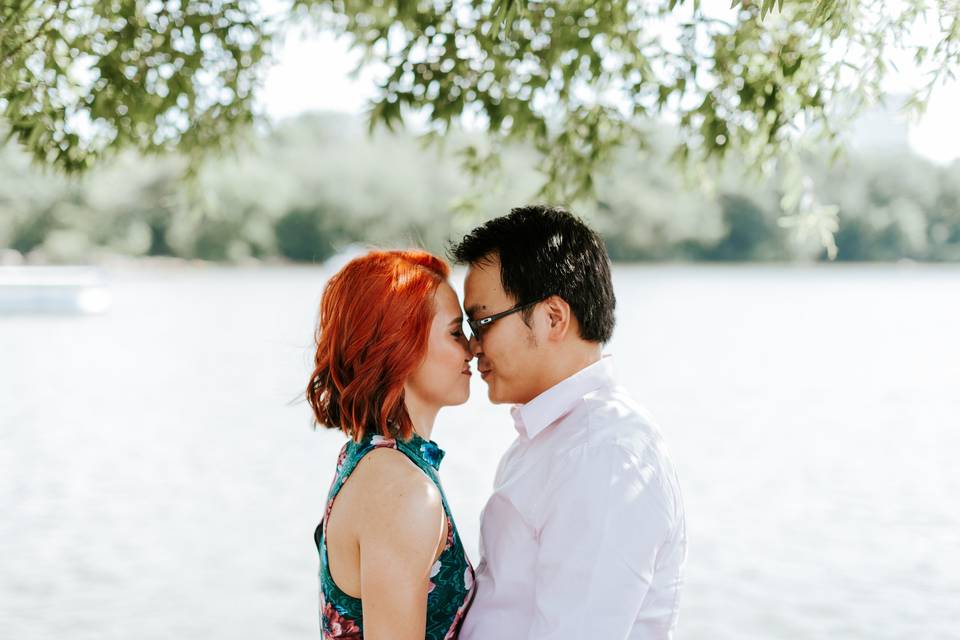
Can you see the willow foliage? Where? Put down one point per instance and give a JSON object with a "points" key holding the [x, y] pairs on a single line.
{"points": [[578, 79]]}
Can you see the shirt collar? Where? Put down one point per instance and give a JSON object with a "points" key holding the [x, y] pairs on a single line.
{"points": [[538, 414]]}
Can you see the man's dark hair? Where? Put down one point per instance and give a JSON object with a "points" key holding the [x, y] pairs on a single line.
{"points": [[548, 251]]}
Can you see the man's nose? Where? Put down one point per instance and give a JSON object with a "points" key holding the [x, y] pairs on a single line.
{"points": [[475, 347]]}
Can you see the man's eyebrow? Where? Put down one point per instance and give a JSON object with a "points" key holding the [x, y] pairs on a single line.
{"points": [[474, 308]]}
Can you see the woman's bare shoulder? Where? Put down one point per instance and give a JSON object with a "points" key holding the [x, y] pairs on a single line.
{"points": [[393, 491]]}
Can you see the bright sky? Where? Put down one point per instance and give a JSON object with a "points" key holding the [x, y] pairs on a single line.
{"points": [[313, 73]]}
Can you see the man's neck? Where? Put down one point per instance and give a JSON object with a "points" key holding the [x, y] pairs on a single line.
{"points": [[567, 364]]}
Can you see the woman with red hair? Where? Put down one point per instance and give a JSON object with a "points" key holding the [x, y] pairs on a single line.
{"points": [[390, 353]]}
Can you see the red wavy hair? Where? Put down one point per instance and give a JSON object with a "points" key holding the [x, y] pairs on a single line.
{"points": [[375, 317]]}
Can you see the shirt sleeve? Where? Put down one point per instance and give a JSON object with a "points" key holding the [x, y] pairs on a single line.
{"points": [[598, 545]]}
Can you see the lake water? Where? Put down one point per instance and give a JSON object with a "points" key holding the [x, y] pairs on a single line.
{"points": [[159, 477]]}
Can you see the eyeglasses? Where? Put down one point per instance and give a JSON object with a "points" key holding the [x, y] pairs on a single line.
{"points": [[478, 326]]}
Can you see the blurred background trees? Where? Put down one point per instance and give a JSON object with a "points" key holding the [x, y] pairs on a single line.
{"points": [[318, 183], [617, 107]]}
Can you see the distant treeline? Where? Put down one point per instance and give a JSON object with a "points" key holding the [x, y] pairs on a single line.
{"points": [[319, 182]]}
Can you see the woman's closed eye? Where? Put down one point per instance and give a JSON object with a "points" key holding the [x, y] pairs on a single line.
{"points": [[456, 326]]}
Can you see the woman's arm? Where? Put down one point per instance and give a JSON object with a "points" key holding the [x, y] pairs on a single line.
{"points": [[402, 533]]}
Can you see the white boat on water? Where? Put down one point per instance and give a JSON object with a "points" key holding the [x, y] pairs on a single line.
{"points": [[80, 290]]}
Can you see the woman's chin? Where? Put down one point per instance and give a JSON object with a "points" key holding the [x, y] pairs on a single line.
{"points": [[457, 399]]}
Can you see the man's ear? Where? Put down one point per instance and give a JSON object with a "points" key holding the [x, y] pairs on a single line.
{"points": [[558, 317]]}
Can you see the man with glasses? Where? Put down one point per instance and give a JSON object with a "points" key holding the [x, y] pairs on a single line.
{"points": [[584, 535]]}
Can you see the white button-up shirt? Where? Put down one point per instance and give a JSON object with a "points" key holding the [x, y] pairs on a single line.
{"points": [[584, 535]]}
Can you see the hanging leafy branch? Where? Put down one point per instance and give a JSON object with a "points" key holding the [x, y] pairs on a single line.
{"points": [[80, 79], [760, 84], [579, 80]]}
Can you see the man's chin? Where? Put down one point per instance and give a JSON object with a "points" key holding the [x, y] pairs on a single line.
{"points": [[494, 395]]}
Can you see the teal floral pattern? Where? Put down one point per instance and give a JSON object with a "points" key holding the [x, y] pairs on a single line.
{"points": [[451, 578]]}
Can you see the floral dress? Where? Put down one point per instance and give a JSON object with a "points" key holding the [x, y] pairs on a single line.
{"points": [[451, 578]]}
